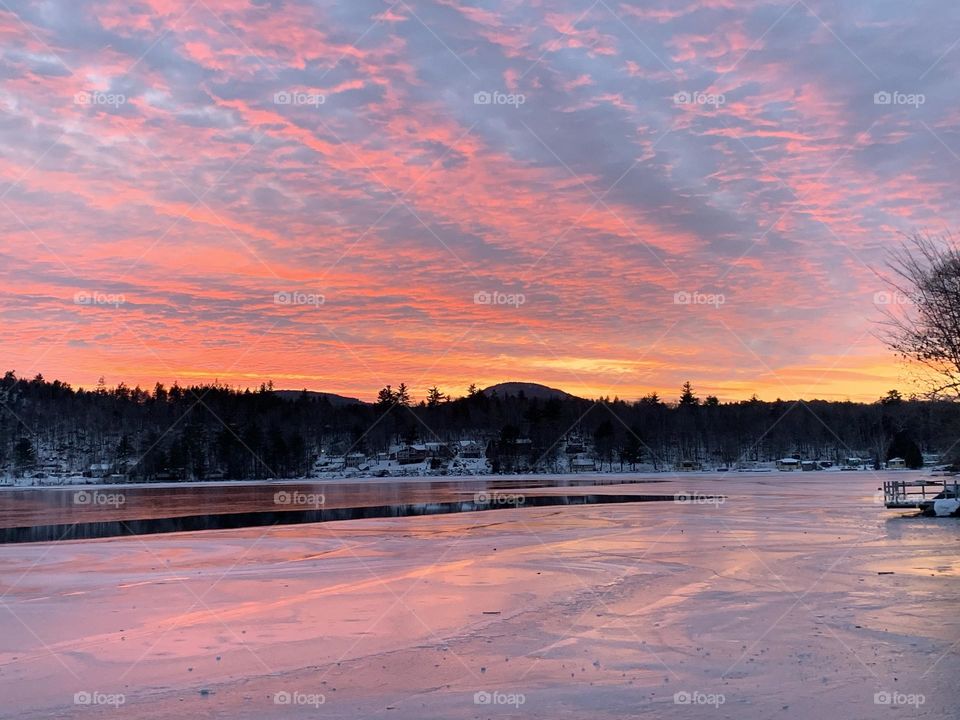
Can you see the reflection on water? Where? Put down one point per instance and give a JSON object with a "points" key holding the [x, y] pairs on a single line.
{"points": [[44, 514]]}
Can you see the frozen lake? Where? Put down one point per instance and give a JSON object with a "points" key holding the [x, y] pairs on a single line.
{"points": [[799, 596]]}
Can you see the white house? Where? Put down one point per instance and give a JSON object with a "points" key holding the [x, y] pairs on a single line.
{"points": [[582, 464], [788, 464]]}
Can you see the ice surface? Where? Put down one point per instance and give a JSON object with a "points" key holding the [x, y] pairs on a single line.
{"points": [[772, 600]]}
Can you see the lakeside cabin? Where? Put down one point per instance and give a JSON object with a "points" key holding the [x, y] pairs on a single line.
{"points": [[354, 460], [788, 464], [471, 449], [97, 470], [852, 463]]}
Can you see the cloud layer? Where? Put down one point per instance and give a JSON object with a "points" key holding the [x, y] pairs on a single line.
{"points": [[607, 197]]}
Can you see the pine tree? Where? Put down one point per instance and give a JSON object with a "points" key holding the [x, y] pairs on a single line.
{"points": [[386, 397], [631, 451], [687, 398], [435, 397], [24, 455]]}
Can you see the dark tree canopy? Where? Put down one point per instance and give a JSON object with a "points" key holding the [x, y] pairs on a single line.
{"points": [[213, 431]]}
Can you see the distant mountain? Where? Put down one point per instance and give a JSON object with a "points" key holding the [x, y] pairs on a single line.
{"points": [[533, 391], [530, 390], [336, 400]]}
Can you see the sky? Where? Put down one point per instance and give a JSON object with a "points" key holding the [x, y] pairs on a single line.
{"points": [[607, 197]]}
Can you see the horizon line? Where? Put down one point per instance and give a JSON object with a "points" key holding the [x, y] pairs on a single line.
{"points": [[371, 399]]}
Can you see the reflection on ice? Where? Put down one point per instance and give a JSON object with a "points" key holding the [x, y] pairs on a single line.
{"points": [[772, 599]]}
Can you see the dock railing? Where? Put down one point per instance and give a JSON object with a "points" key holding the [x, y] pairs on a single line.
{"points": [[917, 493]]}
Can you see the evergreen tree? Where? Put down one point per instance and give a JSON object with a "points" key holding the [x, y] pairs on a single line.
{"points": [[687, 398], [903, 446], [434, 397], [603, 440], [386, 398], [631, 450], [24, 456]]}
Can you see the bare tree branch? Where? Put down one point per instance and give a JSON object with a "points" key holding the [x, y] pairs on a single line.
{"points": [[921, 313]]}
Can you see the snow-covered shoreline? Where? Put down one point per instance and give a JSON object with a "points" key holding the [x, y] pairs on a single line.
{"points": [[414, 474]]}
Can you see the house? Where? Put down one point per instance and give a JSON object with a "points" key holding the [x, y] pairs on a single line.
{"points": [[688, 465], [354, 459], [788, 464], [412, 454], [897, 463], [470, 449], [97, 470], [439, 450], [329, 464], [582, 464], [852, 463], [809, 465]]}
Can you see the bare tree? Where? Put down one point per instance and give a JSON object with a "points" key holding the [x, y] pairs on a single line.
{"points": [[922, 310]]}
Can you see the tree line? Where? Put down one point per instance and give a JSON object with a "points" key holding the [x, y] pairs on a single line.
{"points": [[213, 431]]}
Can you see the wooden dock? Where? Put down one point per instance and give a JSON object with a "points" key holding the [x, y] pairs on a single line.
{"points": [[919, 494]]}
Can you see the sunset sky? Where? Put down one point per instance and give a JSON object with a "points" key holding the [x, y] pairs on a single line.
{"points": [[608, 197]]}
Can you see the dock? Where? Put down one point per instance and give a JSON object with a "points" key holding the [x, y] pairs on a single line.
{"points": [[919, 494]]}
